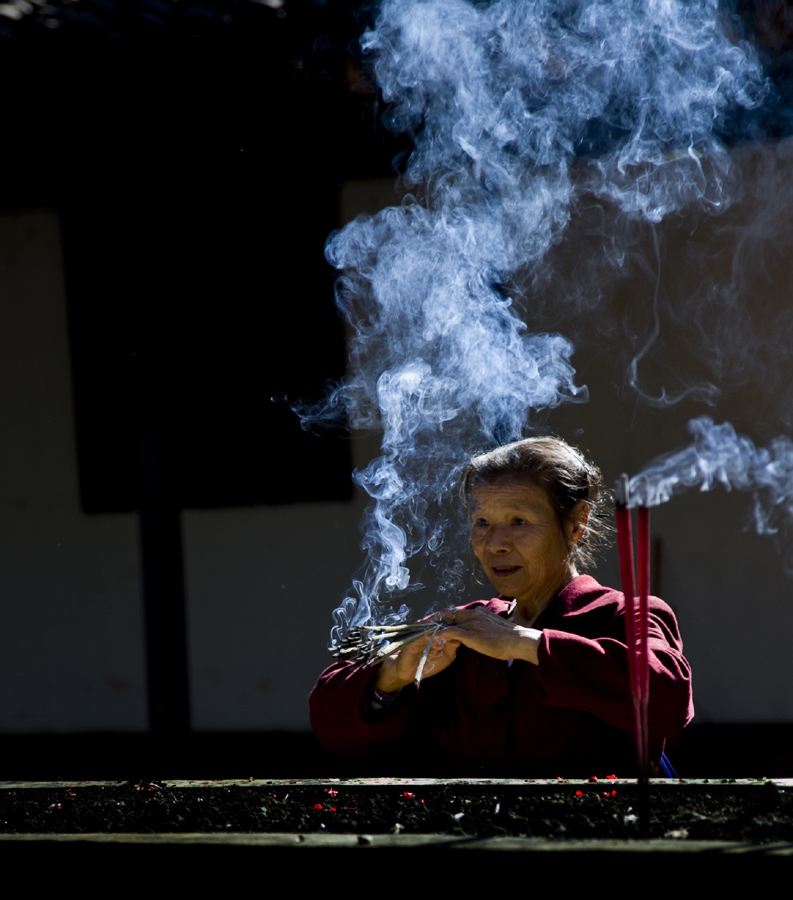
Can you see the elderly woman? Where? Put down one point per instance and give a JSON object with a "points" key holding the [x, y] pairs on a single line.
{"points": [[534, 681]]}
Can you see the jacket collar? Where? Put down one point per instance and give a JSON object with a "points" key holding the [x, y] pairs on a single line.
{"points": [[566, 602]]}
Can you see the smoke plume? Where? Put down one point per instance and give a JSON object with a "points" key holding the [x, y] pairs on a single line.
{"points": [[519, 111], [720, 456]]}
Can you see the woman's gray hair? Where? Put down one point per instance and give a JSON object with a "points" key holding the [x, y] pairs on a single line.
{"points": [[567, 478]]}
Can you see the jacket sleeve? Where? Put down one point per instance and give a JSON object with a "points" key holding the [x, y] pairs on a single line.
{"points": [[339, 708], [340, 714], [591, 674]]}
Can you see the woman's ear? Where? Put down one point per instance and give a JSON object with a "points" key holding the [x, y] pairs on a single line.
{"points": [[577, 521]]}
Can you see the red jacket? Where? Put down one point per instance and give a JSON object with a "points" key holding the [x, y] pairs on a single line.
{"points": [[570, 715]]}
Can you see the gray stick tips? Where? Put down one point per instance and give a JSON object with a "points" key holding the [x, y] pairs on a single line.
{"points": [[622, 490]]}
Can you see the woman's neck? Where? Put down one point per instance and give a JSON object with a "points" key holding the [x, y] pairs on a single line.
{"points": [[525, 613]]}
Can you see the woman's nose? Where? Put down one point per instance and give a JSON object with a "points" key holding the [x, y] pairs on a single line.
{"points": [[498, 541]]}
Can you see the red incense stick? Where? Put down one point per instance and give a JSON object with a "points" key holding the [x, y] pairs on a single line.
{"points": [[625, 544], [643, 564], [636, 616]]}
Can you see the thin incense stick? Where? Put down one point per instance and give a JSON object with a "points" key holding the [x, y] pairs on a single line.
{"points": [[643, 565], [625, 544], [425, 656], [636, 618], [636, 632]]}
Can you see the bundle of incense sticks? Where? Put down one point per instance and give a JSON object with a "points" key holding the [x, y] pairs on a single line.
{"points": [[636, 615], [369, 644]]}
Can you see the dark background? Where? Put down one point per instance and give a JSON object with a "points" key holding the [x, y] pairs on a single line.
{"points": [[194, 152]]}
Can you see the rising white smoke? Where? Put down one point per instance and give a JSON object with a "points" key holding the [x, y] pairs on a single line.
{"points": [[718, 456], [518, 110]]}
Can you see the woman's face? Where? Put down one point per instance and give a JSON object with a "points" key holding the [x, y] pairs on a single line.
{"points": [[516, 536]]}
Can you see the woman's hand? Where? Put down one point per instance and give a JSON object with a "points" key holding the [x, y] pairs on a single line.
{"points": [[399, 670], [490, 634], [477, 628]]}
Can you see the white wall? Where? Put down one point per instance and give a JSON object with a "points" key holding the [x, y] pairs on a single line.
{"points": [[70, 642]]}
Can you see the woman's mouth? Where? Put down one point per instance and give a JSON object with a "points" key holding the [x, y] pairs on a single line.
{"points": [[504, 571]]}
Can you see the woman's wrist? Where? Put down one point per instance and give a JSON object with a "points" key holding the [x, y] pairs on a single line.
{"points": [[529, 644], [381, 700]]}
